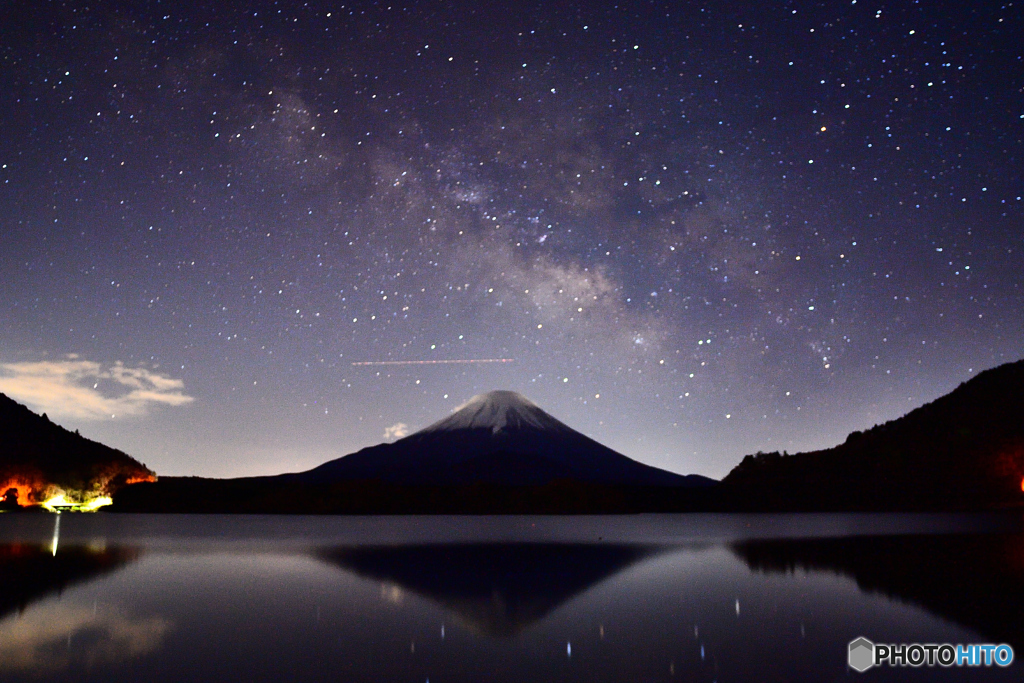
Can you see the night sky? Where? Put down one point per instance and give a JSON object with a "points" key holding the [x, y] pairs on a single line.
{"points": [[692, 231]]}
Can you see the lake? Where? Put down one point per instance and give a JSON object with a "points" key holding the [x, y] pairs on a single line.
{"points": [[699, 597]]}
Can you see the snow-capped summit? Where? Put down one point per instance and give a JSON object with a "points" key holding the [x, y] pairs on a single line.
{"points": [[497, 411]]}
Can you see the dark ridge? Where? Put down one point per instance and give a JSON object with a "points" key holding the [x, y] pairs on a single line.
{"points": [[35, 454], [963, 451]]}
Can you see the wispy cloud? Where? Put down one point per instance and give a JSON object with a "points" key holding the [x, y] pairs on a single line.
{"points": [[396, 431], [87, 390]]}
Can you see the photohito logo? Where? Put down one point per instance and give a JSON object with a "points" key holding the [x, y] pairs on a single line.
{"points": [[862, 654]]}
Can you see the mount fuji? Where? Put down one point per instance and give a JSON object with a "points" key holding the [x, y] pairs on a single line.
{"points": [[498, 453], [500, 437]]}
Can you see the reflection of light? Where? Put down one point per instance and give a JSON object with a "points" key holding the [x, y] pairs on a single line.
{"points": [[737, 606], [568, 649], [56, 535]]}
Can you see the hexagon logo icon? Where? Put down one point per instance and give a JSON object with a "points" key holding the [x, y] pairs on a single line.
{"points": [[861, 655]]}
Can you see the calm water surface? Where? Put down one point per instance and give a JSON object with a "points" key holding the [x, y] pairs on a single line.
{"points": [[108, 597]]}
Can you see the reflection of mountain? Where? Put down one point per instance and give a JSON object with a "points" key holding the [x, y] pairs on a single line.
{"points": [[494, 589], [30, 572], [974, 580]]}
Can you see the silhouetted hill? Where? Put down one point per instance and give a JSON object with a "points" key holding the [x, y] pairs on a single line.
{"points": [[39, 459], [502, 438], [499, 453], [963, 451]]}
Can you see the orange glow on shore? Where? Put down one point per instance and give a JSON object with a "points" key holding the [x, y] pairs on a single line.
{"points": [[27, 489], [36, 491]]}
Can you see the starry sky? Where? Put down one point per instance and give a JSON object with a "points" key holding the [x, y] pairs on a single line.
{"points": [[689, 230]]}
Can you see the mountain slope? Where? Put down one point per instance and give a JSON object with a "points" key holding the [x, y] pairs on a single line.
{"points": [[39, 459], [497, 454], [964, 450], [500, 437]]}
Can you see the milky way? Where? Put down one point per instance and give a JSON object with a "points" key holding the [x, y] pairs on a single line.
{"points": [[693, 231]]}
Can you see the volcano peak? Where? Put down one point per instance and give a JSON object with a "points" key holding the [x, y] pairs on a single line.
{"points": [[497, 411]]}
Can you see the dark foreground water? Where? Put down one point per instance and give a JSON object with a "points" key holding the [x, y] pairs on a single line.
{"points": [[640, 598]]}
